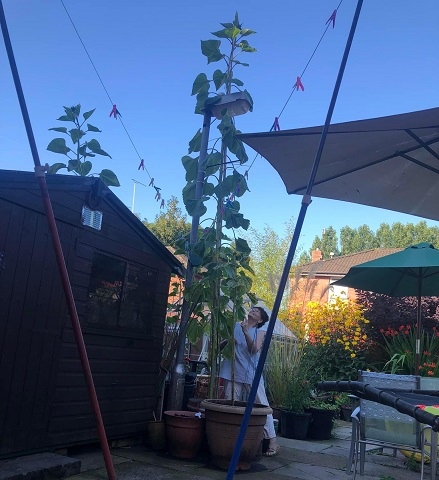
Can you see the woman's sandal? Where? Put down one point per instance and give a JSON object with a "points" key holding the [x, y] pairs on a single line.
{"points": [[271, 452]]}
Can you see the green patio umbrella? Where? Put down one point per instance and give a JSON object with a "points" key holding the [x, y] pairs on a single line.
{"points": [[412, 272]]}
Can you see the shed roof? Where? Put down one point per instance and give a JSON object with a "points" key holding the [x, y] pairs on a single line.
{"points": [[339, 266], [14, 179]]}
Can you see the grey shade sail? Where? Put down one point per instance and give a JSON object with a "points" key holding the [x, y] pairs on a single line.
{"points": [[388, 162]]}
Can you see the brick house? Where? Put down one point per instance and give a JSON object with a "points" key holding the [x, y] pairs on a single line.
{"points": [[313, 280]]}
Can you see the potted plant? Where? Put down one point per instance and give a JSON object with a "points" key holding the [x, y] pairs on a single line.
{"points": [[323, 413], [220, 261], [288, 385], [343, 401]]}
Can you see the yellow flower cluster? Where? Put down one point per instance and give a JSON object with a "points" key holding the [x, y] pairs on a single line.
{"points": [[339, 322]]}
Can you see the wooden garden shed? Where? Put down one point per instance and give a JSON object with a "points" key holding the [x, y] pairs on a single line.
{"points": [[120, 276]]}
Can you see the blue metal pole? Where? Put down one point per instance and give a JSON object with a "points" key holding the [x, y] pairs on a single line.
{"points": [[306, 200]]}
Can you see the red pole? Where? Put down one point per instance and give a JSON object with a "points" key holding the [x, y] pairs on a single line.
{"points": [[40, 174]]}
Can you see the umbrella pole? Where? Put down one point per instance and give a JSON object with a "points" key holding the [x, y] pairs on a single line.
{"points": [[306, 200]]}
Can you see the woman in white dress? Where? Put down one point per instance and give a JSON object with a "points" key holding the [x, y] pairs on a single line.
{"points": [[249, 337]]}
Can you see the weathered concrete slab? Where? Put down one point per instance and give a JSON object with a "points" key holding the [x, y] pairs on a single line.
{"points": [[297, 460], [39, 466]]}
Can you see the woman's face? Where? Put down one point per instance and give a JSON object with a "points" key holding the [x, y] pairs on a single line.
{"points": [[254, 316]]}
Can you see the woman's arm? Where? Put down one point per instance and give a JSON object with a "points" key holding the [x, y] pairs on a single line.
{"points": [[256, 345]]}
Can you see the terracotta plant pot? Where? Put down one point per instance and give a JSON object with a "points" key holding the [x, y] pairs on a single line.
{"points": [[194, 405], [184, 432], [223, 422]]}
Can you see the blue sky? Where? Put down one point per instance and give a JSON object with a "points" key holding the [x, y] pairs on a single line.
{"points": [[148, 54]]}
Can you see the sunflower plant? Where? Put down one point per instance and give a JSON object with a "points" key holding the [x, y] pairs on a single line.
{"points": [[81, 150]]}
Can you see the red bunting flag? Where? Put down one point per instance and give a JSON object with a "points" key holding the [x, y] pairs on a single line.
{"points": [[332, 18], [115, 112], [299, 84]]}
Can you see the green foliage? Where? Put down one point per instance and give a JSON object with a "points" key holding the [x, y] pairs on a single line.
{"points": [[78, 156], [337, 340], [222, 265], [269, 250], [342, 399], [412, 464], [327, 243], [353, 240], [332, 362], [169, 225], [357, 240], [288, 376], [383, 311], [400, 347], [323, 404]]}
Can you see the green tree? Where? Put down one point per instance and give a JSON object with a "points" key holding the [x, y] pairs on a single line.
{"points": [[384, 236], [353, 240], [304, 257], [357, 240], [169, 225], [327, 243], [269, 250]]}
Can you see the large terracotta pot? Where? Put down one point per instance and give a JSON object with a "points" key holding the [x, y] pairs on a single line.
{"points": [[223, 422], [184, 432]]}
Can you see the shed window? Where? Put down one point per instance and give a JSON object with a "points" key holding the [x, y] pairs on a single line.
{"points": [[121, 294]]}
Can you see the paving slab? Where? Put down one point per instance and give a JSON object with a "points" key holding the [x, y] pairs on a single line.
{"points": [[297, 460], [39, 466], [93, 459]]}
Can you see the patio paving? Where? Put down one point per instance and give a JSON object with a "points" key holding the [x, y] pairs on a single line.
{"points": [[300, 460]]}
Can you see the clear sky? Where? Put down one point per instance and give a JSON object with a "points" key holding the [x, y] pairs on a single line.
{"points": [[148, 54]]}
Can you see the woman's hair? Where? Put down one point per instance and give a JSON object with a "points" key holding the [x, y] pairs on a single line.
{"points": [[264, 317]]}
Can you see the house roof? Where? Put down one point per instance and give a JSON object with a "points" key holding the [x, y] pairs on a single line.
{"points": [[339, 266], [13, 179]]}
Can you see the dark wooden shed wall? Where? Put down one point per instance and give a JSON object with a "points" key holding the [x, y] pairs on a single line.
{"points": [[43, 397]]}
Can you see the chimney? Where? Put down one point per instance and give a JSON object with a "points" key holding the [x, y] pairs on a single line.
{"points": [[316, 255]]}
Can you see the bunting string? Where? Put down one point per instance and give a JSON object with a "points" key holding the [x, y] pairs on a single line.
{"points": [[298, 86], [115, 113]]}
